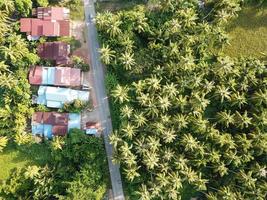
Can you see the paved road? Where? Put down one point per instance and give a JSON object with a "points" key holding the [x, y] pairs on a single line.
{"points": [[101, 97]]}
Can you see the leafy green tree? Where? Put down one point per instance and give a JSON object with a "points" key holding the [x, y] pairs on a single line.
{"points": [[3, 142], [24, 7]]}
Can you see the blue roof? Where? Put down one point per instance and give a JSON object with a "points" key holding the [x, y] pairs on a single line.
{"points": [[55, 97], [42, 129], [48, 131], [91, 131], [74, 121], [48, 75], [37, 129]]}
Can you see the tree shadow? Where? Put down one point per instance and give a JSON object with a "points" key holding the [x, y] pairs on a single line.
{"points": [[34, 154], [250, 17]]}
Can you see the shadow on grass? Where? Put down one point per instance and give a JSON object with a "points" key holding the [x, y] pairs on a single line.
{"points": [[34, 154], [250, 17]]}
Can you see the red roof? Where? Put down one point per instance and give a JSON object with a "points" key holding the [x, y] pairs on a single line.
{"points": [[35, 75], [37, 117], [57, 51], [25, 25], [55, 118], [92, 125], [60, 130], [64, 28], [52, 21], [51, 13], [66, 76], [50, 28], [59, 121]]}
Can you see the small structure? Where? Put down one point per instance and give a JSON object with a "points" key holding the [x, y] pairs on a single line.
{"points": [[57, 51], [55, 97], [92, 128], [57, 76], [51, 22], [49, 124]]}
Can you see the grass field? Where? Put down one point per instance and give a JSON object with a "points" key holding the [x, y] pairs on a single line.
{"points": [[18, 157], [248, 33], [115, 5]]}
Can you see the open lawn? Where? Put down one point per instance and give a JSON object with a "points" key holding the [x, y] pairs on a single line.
{"points": [[17, 157], [248, 33], [115, 5]]}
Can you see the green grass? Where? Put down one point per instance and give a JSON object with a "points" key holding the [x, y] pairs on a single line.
{"points": [[115, 5], [18, 157], [248, 34]]}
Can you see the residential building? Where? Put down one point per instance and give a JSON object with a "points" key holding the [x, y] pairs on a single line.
{"points": [[92, 128], [56, 51], [51, 22], [49, 124], [56, 97], [57, 76]]}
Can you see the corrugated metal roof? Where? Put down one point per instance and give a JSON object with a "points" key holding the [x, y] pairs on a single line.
{"points": [[25, 24], [54, 123], [60, 130], [35, 75], [74, 121], [59, 95], [60, 76], [57, 51]]}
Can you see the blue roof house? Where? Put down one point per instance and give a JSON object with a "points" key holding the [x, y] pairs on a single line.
{"points": [[55, 97]]}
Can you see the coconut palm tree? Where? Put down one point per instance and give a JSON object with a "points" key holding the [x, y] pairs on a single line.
{"points": [[120, 93], [126, 112], [139, 86], [32, 172], [238, 99], [153, 83], [115, 139], [131, 173], [260, 97], [127, 60], [140, 119], [57, 143], [151, 160], [182, 102], [143, 193], [114, 28], [223, 92], [189, 142], [225, 118], [128, 130], [164, 103], [107, 54], [242, 120], [169, 135]]}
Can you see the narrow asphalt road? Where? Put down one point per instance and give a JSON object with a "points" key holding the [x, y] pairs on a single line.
{"points": [[101, 97]]}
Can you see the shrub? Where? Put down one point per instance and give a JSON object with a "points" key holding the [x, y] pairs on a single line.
{"points": [[76, 106], [43, 3], [80, 63]]}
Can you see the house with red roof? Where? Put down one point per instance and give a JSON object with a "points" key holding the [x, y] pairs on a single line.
{"points": [[51, 22], [57, 51], [49, 124], [56, 76]]}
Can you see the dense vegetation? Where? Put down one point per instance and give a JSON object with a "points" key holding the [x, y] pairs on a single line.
{"points": [[72, 167], [16, 55], [192, 122], [76, 170]]}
